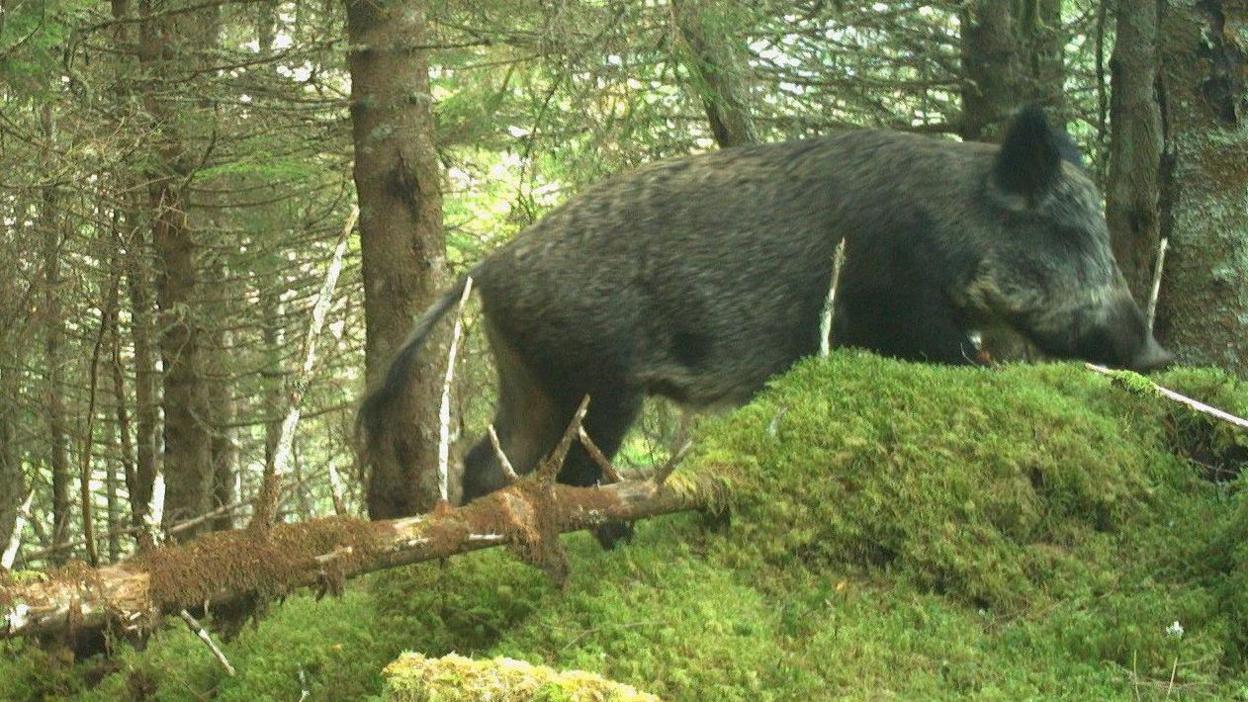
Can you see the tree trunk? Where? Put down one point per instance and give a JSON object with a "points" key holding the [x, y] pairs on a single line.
{"points": [[1133, 190], [397, 180], [58, 455], [990, 64], [140, 482], [188, 458], [1011, 55], [1203, 306], [716, 70]]}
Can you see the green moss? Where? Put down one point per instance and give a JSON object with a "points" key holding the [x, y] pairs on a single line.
{"points": [[894, 531], [967, 482]]}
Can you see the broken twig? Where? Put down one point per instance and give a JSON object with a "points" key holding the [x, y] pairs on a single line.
{"points": [[549, 467], [662, 474], [1151, 314], [608, 471], [829, 305], [509, 471]]}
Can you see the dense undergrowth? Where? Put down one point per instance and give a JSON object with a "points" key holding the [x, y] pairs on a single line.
{"points": [[897, 531]]}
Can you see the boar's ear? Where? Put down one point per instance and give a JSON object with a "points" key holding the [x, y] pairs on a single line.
{"points": [[1030, 160]]}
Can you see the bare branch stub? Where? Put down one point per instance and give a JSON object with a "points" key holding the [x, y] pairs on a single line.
{"points": [[549, 467], [509, 471], [665, 472], [608, 470]]}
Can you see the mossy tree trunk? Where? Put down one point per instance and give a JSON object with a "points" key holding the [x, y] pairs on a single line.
{"points": [[1133, 190], [716, 69], [397, 179], [1203, 307], [242, 568]]}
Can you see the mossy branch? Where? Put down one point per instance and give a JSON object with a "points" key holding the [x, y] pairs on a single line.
{"points": [[233, 568]]}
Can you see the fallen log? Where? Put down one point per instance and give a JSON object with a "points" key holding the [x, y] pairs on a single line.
{"points": [[235, 568]]}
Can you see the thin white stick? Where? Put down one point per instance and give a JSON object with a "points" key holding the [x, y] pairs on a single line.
{"points": [[1183, 399], [9, 557], [202, 633], [1152, 296], [444, 412], [829, 305]]}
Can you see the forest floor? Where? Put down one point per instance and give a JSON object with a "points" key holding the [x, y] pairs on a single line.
{"points": [[896, 531]]}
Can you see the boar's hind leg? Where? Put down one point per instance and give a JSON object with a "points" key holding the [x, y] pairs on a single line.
{"points": [[528, 421]]}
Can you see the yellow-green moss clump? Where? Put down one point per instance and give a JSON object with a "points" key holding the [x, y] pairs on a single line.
{"points": [[454, 678]]}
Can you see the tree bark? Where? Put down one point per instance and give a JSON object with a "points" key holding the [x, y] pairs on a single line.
{"points": [[990, 63], [54, 333], [140, 481], [716, 70], [1203, 306], [236, 567], [1011, 55], [397, 180], [188, 459], [1135, 146]]}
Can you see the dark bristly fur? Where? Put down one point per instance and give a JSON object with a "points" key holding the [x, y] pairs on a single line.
{"points": [[698, 278]]}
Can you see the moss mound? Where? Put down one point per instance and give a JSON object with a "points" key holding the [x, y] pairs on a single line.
{"points": [[452, 678], [895, 531], [967, 481]]}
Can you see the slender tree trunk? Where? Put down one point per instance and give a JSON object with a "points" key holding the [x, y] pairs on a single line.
{"points": [[58, 456], [272, 373], [140, 483], [125, 444], [1203, 306], [1133, 190], [404, 253], [140, 457], [716, 69], [188, 458], [225, 454]]}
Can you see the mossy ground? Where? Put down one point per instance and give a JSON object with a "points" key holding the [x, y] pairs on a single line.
{"points": [[897, 531]]}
